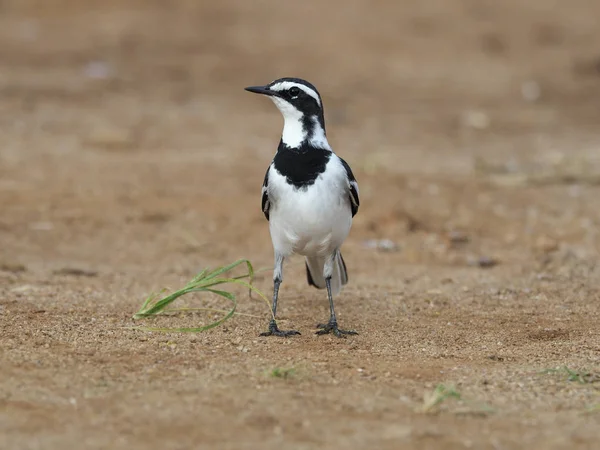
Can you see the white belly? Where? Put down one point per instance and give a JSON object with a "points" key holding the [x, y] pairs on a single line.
{"points": [[310, 221]]}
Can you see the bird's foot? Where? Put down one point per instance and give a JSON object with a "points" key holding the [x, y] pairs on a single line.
{"points": [[332, 327], [274, 331]]}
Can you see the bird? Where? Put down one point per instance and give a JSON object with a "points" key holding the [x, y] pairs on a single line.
{"points": [[309, 196]]}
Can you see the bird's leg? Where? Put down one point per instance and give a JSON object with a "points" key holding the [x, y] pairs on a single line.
{"points": [[277, 279], [273, 329], [331, 326]]}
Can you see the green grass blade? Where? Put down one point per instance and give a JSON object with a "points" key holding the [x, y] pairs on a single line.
{"points": [[203, 282], [245, 284], [227, 295], [175, 311], [227, 268], [151, 298], [161, 304], [199, 277]]}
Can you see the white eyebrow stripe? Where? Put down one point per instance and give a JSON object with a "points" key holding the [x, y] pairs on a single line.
{"points": [[285, 85]]}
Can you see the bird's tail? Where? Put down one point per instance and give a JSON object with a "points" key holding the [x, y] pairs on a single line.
{"points": [[314, 273]]}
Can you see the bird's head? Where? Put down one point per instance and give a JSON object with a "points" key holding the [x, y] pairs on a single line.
{"points": [[302, 109]]}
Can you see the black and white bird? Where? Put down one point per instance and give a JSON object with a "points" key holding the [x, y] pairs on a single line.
{"points": [[309, 196]]}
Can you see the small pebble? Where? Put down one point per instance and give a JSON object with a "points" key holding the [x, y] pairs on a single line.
{"points": [[384, 245], [531, 91], [99, 70], [482, 261], [41, 226], [458, 237], [475, 119]]}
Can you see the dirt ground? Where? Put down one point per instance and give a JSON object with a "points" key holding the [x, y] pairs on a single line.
{"points": [[131, 158]]}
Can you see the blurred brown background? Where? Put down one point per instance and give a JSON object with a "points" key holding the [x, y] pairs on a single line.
{"points": [[131, 157]]}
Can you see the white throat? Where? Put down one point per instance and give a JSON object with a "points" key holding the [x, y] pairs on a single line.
{"points": [[294, 134], [293, 131]]}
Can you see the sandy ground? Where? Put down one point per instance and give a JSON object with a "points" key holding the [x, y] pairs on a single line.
{"points": [[131, 158]]}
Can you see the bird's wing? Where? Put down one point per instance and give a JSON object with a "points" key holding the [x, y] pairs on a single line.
{"points": [[266, 204], [352, 187]]}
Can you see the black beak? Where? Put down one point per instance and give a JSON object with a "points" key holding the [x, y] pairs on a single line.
{"points": [[260, 90]]}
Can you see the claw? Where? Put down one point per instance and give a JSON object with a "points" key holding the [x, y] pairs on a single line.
{"points": [[275, 331], [332, 327]]}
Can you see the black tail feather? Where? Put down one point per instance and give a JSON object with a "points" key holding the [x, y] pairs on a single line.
{"points": [[345, 271], [309, 277]]}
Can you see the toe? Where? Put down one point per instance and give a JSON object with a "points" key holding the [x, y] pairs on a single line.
{"points": [[286, 333]]}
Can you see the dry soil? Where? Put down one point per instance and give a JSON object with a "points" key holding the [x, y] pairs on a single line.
{"points": [[131, 158]]}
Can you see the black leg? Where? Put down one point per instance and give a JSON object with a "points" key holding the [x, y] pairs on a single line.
{"points": [[273, 329], [332, 326]]}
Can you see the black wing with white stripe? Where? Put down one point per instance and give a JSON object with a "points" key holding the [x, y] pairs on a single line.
{"points": [[265, 195], [353, 185]]}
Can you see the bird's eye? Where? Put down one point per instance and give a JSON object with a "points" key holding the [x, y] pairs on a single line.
{"points": [[294, 91]]}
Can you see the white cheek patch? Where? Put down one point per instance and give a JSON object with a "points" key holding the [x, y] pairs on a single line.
{"points": [[285, 85], [288, 110]]}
